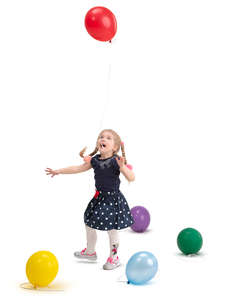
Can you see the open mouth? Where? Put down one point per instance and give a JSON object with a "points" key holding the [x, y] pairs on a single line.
{"points": [[102, 146]]}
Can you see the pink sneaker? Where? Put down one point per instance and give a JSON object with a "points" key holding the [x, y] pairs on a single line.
{"points": [[83, 254], [111, 263]]}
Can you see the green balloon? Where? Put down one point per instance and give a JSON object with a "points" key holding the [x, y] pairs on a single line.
{"points": [[189, 241]]}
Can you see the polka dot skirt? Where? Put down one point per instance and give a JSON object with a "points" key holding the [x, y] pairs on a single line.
{"points": [[107, 211]]}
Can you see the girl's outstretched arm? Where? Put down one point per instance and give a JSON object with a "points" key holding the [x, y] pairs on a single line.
{"points": [[69, 170], [129, 174]]}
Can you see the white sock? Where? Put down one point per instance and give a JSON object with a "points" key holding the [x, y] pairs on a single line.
{"points": [[113, 242], [91, 239]]}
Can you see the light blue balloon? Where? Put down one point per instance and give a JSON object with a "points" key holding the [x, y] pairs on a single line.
{"points": [[141, 267]]}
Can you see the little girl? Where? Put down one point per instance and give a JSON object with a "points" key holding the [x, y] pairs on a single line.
{"points": [[108, 210]]}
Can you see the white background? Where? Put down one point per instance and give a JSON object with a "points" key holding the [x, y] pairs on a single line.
{"points": [[165, 98]]}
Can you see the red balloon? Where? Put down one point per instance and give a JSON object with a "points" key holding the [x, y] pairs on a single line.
{"points": [[100, 23]]}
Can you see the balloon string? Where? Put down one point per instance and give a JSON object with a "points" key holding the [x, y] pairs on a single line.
{"points": [[119, 279], [107, 94], [29, 286]]}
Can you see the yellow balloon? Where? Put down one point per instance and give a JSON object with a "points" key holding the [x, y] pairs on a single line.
{"points": [[42, 268]]}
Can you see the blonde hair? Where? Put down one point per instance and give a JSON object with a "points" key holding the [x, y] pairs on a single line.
{"points": [[117, 141]]}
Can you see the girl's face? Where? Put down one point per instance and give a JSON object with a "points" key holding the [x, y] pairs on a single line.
{"points": [[106, 144]]}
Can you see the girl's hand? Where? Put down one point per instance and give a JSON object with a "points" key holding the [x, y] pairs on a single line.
{"points": [[121, 161], [51, 172]]}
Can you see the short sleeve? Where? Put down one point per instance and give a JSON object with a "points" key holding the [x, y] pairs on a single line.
{"points": [[93, 162], [115, 164]]}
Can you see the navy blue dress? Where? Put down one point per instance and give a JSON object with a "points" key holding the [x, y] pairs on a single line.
{"points": [[108, 209]]}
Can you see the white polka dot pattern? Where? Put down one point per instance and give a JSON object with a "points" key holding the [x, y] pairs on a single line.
{"points": [[107, 211]]}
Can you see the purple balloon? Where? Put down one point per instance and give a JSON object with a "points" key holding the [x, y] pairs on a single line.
{"points": [[141, 218]]}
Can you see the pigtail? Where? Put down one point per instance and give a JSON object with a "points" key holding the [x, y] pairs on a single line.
{"points": [[82, 152], [91, 154], [94, 152], [123, 153]]}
